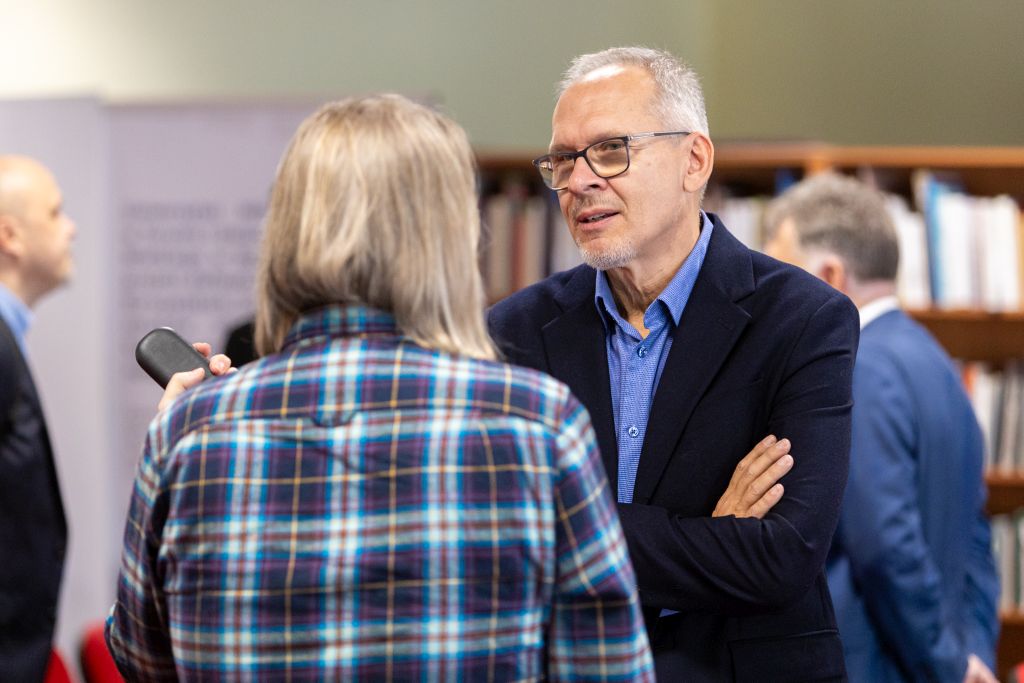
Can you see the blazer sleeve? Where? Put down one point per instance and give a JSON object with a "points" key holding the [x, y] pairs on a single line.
{"points": [[981, 633], [736, 566], [882, 532]]}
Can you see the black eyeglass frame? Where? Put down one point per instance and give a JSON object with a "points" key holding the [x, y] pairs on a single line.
{"points": [[573, 156]]}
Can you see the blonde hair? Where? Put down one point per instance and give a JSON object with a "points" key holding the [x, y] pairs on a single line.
{"points": [[375, 204]]}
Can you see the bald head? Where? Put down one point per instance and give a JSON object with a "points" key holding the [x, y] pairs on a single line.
{"points": [[18, 175], [35, 234]]}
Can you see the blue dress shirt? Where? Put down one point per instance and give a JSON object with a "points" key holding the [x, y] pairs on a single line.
{"points": [[17, 315], [635, 363]]}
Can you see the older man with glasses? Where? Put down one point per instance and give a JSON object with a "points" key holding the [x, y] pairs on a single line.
{"points": [[686, 348]]}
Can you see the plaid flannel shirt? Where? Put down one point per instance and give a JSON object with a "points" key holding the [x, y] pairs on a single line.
{"points": [[359, 507]]}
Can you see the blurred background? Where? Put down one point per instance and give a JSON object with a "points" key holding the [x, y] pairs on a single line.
{"points": [[89, 88], [914, 72]]}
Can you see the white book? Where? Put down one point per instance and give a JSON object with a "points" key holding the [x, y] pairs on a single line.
{"points": [[1007, 454], [1004, 551], [984, 399], [956, 248], [912, 284], [742, 216], [1000, 253]]}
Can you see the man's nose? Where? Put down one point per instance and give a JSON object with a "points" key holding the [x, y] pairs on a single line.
{"points": [[583, 177]]}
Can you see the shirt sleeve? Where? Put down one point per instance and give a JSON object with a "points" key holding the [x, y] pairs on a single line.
{"points": [[137, 631], [597, 630]]}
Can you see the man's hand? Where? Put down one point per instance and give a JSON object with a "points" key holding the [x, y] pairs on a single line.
{"points": [[754, 488], [978, 672], [182, 381]]}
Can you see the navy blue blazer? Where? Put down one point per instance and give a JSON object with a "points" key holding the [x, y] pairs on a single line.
{"points": [[911, 569], [32, 527], [761, 348]]}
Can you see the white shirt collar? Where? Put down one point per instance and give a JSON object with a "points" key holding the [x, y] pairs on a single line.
{"points": [[876, 308]]}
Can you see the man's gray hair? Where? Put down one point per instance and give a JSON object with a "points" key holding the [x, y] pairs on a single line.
{"points": [[841, 215], [680, 102]]}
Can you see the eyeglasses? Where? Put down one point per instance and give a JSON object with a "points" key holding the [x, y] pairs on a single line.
{"points": [[606, 158]]}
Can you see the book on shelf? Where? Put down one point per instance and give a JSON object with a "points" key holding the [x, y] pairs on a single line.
{"points": [[997, 395], [1008, 552], [912, 283], [742, 215], [957, 251], [497, 217], [974, 245], [520, 243]]}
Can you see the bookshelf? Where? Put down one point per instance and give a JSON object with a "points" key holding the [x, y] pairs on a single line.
{"points": [[755, 169]]}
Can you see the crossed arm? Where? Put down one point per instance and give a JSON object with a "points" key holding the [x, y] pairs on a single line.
{"points": [[754, 488]]}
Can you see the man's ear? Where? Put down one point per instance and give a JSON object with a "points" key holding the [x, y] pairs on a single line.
{"points": [[10, 236], [832, 270], [699, 163]]}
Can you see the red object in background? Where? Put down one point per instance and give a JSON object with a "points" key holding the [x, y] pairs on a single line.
{"points": [[97, 663], [56, 669]]}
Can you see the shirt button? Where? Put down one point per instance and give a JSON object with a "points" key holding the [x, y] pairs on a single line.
{"points": [[633, 431], [641, 351]]}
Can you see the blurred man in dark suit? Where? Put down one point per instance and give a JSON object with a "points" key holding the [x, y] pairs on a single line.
{"points": [[35, 258]]}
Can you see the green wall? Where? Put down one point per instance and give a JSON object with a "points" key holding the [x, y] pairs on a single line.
{"points": [[860, 71], [492, 65], [869, 71]]}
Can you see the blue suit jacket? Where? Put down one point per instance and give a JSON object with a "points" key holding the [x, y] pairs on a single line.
{"points": [[761, 348], [911, 569], [32, 527]]}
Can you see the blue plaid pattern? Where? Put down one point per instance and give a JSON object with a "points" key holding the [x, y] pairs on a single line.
{"points": [[358, 507]]}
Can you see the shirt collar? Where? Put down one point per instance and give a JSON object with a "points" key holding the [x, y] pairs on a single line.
{"points": [[875, 309], [676, 293], [15, 313], [340, 320]]}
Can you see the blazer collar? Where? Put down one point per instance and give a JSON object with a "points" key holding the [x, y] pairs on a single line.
{"points": [[576, 352], [711, 323], [709, 329]]}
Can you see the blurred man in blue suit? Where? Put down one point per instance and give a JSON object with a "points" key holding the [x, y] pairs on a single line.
{"points": [[910, 570]]}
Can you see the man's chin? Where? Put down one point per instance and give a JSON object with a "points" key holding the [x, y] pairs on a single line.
{"points": [[606, 259]]}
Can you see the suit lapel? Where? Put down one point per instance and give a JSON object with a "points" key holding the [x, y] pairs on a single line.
{"points": [[19, 385], [20, 367], [709, 328], [576, 353]]}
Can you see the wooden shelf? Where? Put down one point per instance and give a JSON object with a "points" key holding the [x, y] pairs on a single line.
{"points": [[976, 335], [1005, 493], [818, 156], [983, 171], [506, 162], [1011, 643]]}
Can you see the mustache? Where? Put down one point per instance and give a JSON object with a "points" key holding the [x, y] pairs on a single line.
{"points": [[588, 204]]}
